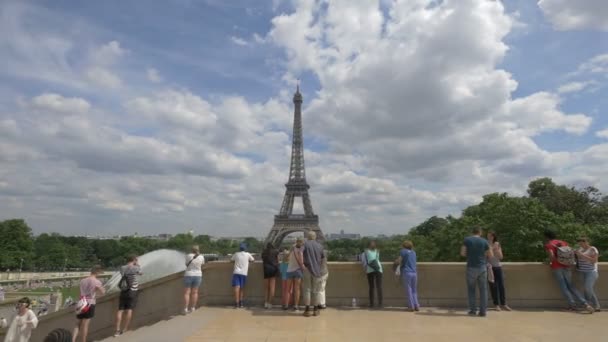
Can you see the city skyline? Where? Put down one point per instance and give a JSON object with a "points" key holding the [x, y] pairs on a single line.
{"points": [[117, 118]]}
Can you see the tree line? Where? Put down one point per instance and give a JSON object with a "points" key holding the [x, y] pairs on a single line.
{"points": [[55, 252], [519, 222]]}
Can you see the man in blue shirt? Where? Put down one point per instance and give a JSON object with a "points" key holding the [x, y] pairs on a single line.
{"points": [[477, 249]]}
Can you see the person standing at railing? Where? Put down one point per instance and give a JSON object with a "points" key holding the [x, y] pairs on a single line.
{"points": [[312, 255], [409, 275], [497, 287], [587, 256], [373, 270], [127, 301], [562, 258], [241, 261], [192, 279], [295, 272], [324, 276], [90, 287], [285, 288], [270, 265], [477, 251]]}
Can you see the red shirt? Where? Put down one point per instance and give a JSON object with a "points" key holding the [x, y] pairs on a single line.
{"points": [[551, 246]]}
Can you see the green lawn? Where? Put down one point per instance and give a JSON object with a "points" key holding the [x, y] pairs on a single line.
{"points": [[73, 292]]}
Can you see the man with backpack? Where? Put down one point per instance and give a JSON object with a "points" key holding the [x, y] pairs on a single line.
{"points": [[562, 258], [128, 286]]}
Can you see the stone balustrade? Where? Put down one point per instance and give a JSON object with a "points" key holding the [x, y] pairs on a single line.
{"points": [[529, 285]]}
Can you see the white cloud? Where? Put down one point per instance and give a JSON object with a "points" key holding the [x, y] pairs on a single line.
{"points": [[540, 113], [576, 15], [58, 103], [602, 134], [416, 102], [239, 41], [107, 54], [103, 77], [153, 75], [595, 65], [574, 87], [413, 117]]}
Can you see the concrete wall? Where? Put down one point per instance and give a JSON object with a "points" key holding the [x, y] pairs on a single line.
{"points": [[528, 285], [158, 300]]}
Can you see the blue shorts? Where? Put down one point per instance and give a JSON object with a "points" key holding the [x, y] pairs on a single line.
{"points": [[297, 274], [192, 282], [239, 280]]}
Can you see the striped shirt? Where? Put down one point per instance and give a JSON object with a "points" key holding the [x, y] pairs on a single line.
{"points": [[585, 265], [131, 272]]}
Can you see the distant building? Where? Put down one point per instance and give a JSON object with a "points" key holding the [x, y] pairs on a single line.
{"points": [[342, 235]]}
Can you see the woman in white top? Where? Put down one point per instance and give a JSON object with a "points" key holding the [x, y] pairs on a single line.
{"points": [[587, 256], [23, 324], [192, 279]]}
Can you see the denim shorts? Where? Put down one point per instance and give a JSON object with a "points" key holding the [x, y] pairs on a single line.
{"points": [[297, 274], [239, 280], [192, 282]]}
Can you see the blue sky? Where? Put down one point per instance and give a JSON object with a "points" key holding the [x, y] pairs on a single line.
{"points": [[169, 116]]}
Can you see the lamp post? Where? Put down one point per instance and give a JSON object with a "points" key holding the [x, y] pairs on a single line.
{"points": [[20, 268]]}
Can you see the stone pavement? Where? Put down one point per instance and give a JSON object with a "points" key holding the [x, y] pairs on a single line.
{"points": [[391, 324]]}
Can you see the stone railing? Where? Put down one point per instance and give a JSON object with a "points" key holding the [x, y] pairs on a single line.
{"points": [[528, 285], [158, 300]]}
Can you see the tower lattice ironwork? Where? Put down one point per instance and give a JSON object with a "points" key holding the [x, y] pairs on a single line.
{"points": [[286, 222]]}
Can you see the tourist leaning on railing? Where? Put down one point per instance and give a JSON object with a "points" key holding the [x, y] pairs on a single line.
{"points": [[90, 287], [324, 276], [587, 256], [193, 278], [562, 259], [270, 263], [285, 288], [407, 266], [477, 251], [373, 271], [295, 272], [497, 287], [241, 260]]}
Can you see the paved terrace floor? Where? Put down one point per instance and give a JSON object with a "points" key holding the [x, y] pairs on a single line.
{"points": [[214, 324]]}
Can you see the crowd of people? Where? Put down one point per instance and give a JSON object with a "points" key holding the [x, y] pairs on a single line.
{"points": [[303, 273]]}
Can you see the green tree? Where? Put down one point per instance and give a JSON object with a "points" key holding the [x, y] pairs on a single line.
{"points": [[16, 245]]}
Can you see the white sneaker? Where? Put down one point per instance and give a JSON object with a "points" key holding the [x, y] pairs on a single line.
{"points": [[192, 310], [266, 306], [186, 311], [118, 333]]}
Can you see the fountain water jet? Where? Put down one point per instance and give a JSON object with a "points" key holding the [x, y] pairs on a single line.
{"points": [[154, 265]]}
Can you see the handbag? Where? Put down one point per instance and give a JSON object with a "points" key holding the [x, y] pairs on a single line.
{"points": [[374, 264], [82, 306]]}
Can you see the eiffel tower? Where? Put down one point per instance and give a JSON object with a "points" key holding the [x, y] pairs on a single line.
{"points": [[286, 222]]}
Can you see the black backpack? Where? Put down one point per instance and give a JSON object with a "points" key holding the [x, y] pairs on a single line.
{"points": [[124, 284]]}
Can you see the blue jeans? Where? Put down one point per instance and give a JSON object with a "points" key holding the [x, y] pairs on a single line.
{"points": [[589, 279], [564, 280], [477, 277]]}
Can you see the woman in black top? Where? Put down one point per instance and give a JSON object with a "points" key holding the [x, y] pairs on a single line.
{"points": [[270, 260]]}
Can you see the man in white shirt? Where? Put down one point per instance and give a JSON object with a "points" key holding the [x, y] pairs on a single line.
{"points": [[192, 279], [241, 261]]}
